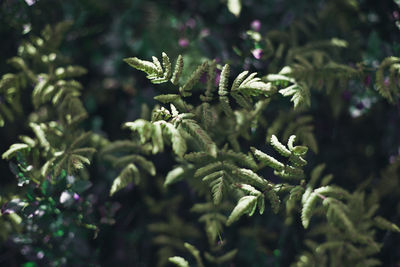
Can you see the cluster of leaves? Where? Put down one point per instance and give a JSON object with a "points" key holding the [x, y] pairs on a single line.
{"points": [[49, 165], [202, 142], [230, 173]]}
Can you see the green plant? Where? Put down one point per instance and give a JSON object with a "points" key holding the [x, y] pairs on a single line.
{"points": [[221, 145]]}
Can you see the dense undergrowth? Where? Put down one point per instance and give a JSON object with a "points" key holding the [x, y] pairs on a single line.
{"points": [[209, 133]]}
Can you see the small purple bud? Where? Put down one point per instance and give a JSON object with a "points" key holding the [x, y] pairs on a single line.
{"points": [[76, 196], [191, 23], [386, 82], [367, 80], [257, 53], [204, 33], [396, 15], [46, 239], [255, 25], [183, 42], [360, 105]]}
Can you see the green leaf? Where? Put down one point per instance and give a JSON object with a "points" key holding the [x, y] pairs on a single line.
{"points": [[300, 94], [168, 98], [178, 142], [252, 177], [125, 178], [279, 147], [384, 224], [195, 252], [174, 176], [300, 150], [308, 208], [268, 160], [245, 205], [179, 261], [11, 152], [177, 70], [200, 135], [223, 82]]}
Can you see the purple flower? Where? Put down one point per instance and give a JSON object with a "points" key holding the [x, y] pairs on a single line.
{"points": [[183, 42], [360, 105], [396, 15], [255, 25], [30, 2], [76, 196], [191, 23], [257, 53], [367, 80], [204, 32], [386, 82]]}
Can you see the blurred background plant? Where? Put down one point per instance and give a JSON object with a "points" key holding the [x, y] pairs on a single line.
{"points": [[356, 127]]}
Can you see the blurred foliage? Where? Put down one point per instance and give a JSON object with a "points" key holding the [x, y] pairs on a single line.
{"points": [[343, 57]]}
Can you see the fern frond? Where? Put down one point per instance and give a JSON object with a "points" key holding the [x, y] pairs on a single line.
{"points": [[299, 92], [239, 79], [193, 79], [384, 224], [195, 252], [210, 81], [308, 209], [207, 169], [200, 135], [13, 150], [245, 205], [240, 158], [249, 189], [388, 91], [279, 147], [179, 261], [223, 82], [128, 174], [252, 178], [149, 67], [168, 98], [178, 142], [267, 160], [217, 188], [335, 207], [177, 70]]}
